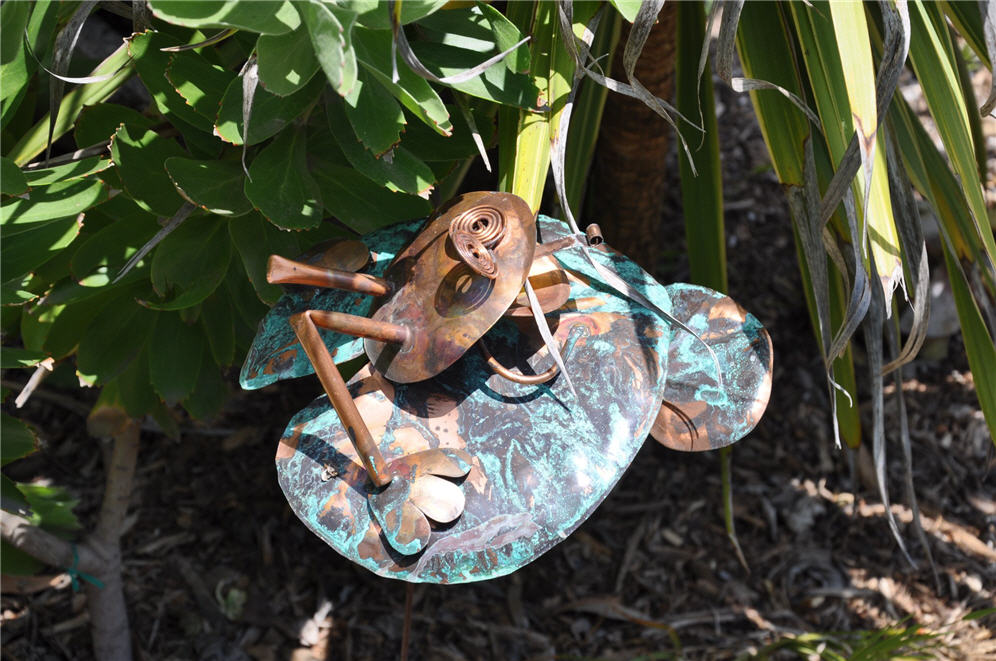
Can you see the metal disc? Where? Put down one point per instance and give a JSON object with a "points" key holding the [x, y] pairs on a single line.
{"points": [[542, 459], [550, 284], [276, 354], [696, 414], [438, 297], [342, 254]]}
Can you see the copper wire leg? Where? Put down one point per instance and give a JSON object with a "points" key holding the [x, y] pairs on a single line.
{"points": [[283, 271], [305, 325], [525, 379]]}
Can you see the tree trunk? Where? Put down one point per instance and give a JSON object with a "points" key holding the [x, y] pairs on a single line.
{"points": [[108, 612], [628, 173]]}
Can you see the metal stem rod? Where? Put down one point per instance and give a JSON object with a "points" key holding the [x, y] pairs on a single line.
{"points": [[335, 387], [280, 270]]}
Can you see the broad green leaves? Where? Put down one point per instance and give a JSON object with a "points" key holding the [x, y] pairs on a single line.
{"points": [[190, 263], [280, 187], [375, 116], [215, 186], [270, 113], [140, 156], [18, 439], [286, 62], [263, 16], [12, 180], [329, 28]]}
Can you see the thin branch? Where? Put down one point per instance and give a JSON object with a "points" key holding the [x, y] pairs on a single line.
{"points": [[22, 534]]}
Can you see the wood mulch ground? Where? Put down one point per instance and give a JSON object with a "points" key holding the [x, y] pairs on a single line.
{"points": [[218, 567]]}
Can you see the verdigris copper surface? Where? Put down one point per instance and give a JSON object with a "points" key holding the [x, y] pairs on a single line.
{"points": [[438, 296], [542, 459], [697, 414], [276, 354], [474, 472]]}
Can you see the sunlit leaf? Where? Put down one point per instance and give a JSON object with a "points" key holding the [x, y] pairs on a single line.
{"points": [[263, 16], [280, 186], [215, 186]]}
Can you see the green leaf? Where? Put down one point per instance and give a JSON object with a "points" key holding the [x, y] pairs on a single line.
{"points": [[34, 140], [12, 500], [375, 116], [286, 62], [766, 55], [135, 387], [19, 440], [375, 13], [12, 180], [628, 8], [263, 16], [28, 250], [67, 172], [933, 62], [140, 156], [496, 83], [246, 304], [98, 123], [13, 357], [210, 393], [14, 561], [215, 186], [58, 201], [218, 324], [373, 50], [979, 345], [114, 339], [480, 28], [280, 186], [174, 357], [361, 204], [404, 173], [151, 63], [329, 28], [17, 290], [104, 252], [70, 324], [431, 147], [36, 321], [16, 67], [201, 84], [701, 194], [52, 507], [190, 263], [256, 239], [270, 113]]}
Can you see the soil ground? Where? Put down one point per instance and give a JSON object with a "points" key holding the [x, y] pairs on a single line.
{"points": [[218, 567]]}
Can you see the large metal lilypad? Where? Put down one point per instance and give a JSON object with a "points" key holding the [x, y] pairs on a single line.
{"points": [[542, 458], [697, 414]]}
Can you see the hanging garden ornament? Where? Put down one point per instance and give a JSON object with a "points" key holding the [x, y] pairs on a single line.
{"points": [[441, 462]]}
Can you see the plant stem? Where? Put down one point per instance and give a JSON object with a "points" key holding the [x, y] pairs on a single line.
{"points": [[106, 605]]}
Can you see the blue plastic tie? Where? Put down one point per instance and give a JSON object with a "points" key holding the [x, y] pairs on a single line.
{"points": [[75, 574]]}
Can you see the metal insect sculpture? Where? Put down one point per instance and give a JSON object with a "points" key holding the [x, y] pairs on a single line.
{"points": [[460, 452]]}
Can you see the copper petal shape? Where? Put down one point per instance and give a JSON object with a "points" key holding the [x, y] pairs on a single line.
{"points": [[448, 462], [439, 499]]}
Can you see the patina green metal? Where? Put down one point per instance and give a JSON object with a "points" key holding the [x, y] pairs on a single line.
{"points": [[697, 414], [541, 456]]}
